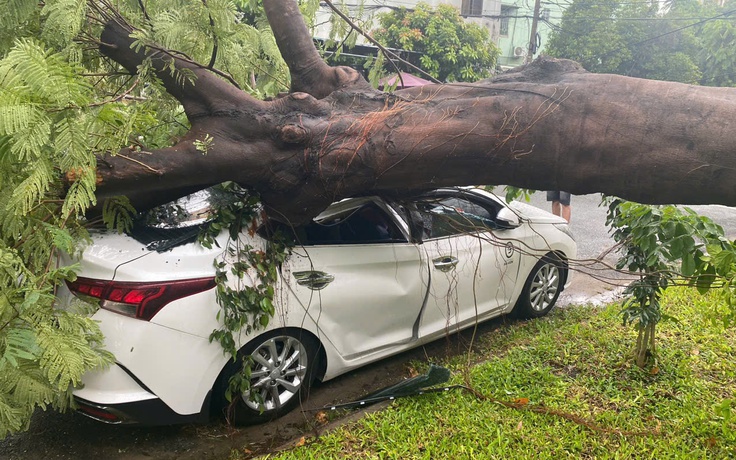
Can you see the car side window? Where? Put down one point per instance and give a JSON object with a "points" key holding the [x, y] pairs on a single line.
{"points": [[367, 224], [440, 217]]}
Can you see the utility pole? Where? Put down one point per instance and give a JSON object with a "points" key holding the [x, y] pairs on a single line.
{"points": [[533, 38]]}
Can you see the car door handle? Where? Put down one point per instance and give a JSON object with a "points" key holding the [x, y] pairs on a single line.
{"points": [[313, 279], [445, 263]]}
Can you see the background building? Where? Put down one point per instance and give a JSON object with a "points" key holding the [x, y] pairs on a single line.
{"points": [[515, 26]]}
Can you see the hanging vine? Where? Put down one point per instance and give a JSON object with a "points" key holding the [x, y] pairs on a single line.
{"points": [[246, 273]]}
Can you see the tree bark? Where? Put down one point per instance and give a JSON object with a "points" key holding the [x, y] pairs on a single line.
{"points": [[549, 126]]}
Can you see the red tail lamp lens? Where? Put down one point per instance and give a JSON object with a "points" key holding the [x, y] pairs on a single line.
{"points": [[138, 300]]}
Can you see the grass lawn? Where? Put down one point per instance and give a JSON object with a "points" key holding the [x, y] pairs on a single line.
{"points": [[565, 387]]}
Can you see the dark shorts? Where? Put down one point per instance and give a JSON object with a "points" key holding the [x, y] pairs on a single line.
{"points": [[562, 197]]}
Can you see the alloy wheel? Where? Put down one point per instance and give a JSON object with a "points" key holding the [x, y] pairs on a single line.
{"points": [[278, 370], [544, 286]]}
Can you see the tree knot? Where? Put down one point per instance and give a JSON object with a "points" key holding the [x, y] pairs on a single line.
{"points": [[346, 75], [293, 134]]}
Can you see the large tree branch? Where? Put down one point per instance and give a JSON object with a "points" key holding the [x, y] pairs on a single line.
{"points": [[550, 125], [309, 73], [638, 139]]}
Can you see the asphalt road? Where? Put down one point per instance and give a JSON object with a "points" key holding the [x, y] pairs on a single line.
{"points": [[588, 221]]}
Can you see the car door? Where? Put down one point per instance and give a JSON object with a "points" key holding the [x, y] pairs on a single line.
{"points": [[472, 262], [359, 277]]}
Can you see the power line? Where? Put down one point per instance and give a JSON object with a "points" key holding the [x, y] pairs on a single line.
{"points": [[722, 16], [727, 13], [596, 4], [661, 19], [599, 19]]}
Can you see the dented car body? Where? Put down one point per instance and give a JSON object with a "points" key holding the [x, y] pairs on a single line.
{"points": [[368, 278]]}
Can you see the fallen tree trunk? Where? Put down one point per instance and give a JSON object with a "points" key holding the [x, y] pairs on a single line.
{"points": [[548, 126]]}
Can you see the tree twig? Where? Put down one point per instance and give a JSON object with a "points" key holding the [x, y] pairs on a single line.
{"points": [[214, 38], [120, 97], [139, 162]]}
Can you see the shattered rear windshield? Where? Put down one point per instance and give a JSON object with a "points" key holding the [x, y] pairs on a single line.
{"points": [[179, 222]]}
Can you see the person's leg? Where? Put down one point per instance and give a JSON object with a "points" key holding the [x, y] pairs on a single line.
{"points": [[565, 210], [556, 208], [554, 197]]}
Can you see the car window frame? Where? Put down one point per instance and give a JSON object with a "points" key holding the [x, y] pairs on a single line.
{"points": [[340, 213]]}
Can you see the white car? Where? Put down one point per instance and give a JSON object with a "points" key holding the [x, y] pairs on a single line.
{"points": [[370, 278]]}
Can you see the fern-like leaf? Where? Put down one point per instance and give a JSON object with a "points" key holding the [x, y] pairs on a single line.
{"points": [[12, 417], [118, 213], [70, 142], [64, 19], [15, 115], [61, 362], [16, 345], [46, 76], [15, 12], [29, 387], [81, 194], [30, 191]]}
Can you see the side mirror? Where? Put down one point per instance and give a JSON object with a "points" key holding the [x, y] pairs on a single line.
{"points": [[507, 219]]}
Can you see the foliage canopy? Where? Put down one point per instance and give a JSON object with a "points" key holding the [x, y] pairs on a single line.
{"points": [[690, 42], [453, 50], [61, 103]]}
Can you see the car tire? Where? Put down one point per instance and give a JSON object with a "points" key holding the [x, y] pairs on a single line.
{"points": [[283, 367], [541, 289]]}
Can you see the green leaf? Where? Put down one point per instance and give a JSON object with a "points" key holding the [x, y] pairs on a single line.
{"points": [[688, 266], [724, 261], [20, 344]]}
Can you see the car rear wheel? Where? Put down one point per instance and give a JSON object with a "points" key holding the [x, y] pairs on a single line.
{"points": [[282, 368], [541, 289]]}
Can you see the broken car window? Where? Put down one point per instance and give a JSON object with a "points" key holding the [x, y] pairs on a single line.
{"points": [[446, 216], [364, 225]]}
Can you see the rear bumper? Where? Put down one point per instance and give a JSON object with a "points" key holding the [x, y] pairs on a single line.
{"points": [[116, 397], [112, 386], [149, 412], [153, 362]]}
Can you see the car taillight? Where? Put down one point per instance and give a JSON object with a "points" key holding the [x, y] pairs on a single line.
{"points": [[138, 300]]}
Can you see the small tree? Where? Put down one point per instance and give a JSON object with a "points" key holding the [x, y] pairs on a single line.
{"points": [[453, 50], [638, 39], [653, 239]]}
